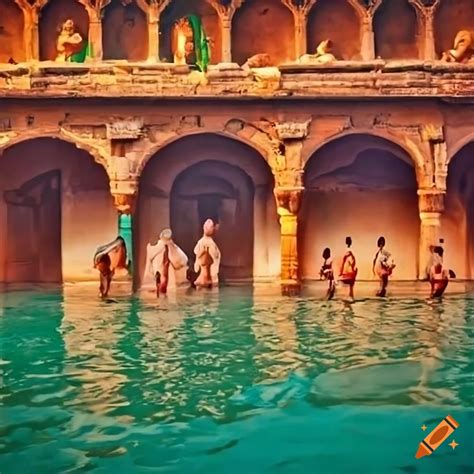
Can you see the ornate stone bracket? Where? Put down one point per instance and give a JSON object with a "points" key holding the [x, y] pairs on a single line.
{"points": [[433, 137]]}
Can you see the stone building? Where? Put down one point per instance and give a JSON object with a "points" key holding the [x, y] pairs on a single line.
{"points": [[289, 158]]}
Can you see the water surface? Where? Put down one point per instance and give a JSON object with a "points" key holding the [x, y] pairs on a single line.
{"points": [[232, 382]]}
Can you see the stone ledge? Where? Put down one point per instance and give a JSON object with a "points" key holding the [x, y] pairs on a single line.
{"points": [[342, 79]]}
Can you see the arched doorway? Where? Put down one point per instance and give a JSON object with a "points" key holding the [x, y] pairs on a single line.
{"points": [[458, 217], [56, 208], [364, 187], [211, 176]]}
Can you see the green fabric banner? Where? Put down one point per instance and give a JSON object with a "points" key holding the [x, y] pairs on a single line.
{"points": [[201, 46], [81, 56]]}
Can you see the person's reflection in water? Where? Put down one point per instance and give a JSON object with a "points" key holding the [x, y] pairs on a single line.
{"points": [[91, 331]]}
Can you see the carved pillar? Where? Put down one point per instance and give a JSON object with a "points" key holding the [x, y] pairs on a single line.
{"points": [[288, 206], [368, 39], [428, 35], [301, 39], [31, 32], [95, 38], [153, 35], [431, 207], [226, 23]]}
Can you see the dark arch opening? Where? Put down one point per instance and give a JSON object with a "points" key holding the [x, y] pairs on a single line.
{"points": [[207, 175], [458, 218], [362, 186], [396, 31]]}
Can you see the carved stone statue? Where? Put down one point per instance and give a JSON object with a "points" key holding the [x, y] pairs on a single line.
{"points": [[69, 42], [323, 54], [463, 50], [189, 43]]}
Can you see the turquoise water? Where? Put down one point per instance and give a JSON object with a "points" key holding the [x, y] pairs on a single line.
{"points": [[232, 382]]}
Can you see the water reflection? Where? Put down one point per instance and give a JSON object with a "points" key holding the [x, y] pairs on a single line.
{"points": [[91, 330]]}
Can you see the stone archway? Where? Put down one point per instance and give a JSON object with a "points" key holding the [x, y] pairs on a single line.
{"points": [[458, 218], [56, 207], [208, 175], [363, 186], [396, 27]]}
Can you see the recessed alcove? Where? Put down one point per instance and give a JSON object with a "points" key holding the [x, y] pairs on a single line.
{"points": [[55, 210], [12, 45], [338, 21], [210, 176], [178, 9], [451, 17], [396, 31], [52, 17], [364, 187], [263, 26], [124, 32], [458, 218]]}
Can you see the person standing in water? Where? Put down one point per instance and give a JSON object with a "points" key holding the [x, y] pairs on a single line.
{"points": [[382, 266], [107, 259], [348, 272], [327, 273], [208, 258], [439, 275]]}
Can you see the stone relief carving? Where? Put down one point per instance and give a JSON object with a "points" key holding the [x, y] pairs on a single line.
{"points": [[125, 129]]}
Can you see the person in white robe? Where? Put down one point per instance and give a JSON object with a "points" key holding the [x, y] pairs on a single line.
{"points": [[166, 264], [208, 257]]}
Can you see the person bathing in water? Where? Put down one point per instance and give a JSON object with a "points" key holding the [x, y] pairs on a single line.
{"points": [[208, 257], [327, 273], [166, 263], [382, 266], [107, 259], [348, 272], [439, 276]]}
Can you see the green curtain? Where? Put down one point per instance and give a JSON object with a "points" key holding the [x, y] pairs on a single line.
{"points": [[81, 56], [201, 47]]}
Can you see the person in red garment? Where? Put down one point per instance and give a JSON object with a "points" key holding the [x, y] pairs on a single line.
{"points": [[107, 259], [348, 272]]}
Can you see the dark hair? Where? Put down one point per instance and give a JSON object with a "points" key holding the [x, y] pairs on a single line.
{"points": [[348, 241], [381, 242], [439, 250], [326, 253]]}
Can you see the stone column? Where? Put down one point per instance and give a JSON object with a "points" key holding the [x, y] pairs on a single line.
{"points": [[226, 23], [429, 52], [95, 38], [153, 35], [368, 39], [431, 207], [288, 206], [260, 247], [31, 33], [301, 37]]}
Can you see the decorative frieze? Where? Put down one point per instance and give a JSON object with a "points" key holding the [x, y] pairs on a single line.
{"points": [[125, 129], [292, 130]]}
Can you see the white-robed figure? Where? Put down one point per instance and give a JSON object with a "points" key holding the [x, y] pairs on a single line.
{"points": [[166, 264], [208, 257]]}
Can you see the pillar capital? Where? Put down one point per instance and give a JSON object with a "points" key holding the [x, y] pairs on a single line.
{"points": [[430, 203], [288, 200]]}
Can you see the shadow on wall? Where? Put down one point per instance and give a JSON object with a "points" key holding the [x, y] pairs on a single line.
{"points": [[50, 194], [458, 218], [396, 31], [362, 187], [338, 21], [12, 45], [53, 15], [125, 32], [263, 26]]}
